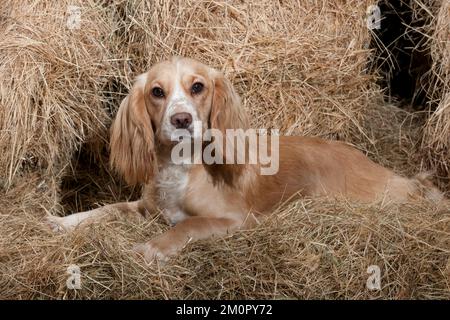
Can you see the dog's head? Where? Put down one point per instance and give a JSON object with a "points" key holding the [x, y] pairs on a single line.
{"points": [[172, 95]]}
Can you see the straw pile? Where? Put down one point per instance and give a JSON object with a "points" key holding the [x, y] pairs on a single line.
{"points": [[310, 249], [294, 73], [51, 85], [436, 140], [300, 67]]}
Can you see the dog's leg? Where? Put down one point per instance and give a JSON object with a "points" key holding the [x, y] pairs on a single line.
{"points": [[191, 229], [68, 223]]}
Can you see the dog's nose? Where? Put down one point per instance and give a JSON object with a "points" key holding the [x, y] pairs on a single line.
{"points": [[181, 120]]}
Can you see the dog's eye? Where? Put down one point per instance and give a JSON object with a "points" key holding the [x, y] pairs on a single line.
{"points": [[197, 88], [158, 92]]}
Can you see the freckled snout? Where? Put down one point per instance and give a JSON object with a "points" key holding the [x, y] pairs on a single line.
{"points": [[181, 120]]}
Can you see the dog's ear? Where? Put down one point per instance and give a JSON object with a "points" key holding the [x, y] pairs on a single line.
{"points": [[132, 138], [226, 113], [226, 109]]}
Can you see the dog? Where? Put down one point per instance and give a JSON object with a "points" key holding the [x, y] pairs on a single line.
{"points": [[205, 200]]}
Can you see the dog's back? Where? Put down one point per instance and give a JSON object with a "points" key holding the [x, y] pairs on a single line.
{"points": [[317, 167]]}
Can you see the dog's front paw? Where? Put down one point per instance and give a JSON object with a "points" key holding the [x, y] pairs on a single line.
{"points": [[156, 249], [58, 224], [54, 223]]}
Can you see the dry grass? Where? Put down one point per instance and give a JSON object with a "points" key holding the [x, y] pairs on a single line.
{"points": [[51, 84], [299, 66], [294, 73], [436, 140], [309, 249]]}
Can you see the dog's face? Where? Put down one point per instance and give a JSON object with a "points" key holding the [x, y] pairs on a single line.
{"points": [[178, 93], [171, 96]]}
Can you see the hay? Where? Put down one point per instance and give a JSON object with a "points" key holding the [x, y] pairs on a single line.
{"points": [[394, 138], [411, 57], [51, 84], [436, 140], [294, 73], [309, 249], [300, 67]]}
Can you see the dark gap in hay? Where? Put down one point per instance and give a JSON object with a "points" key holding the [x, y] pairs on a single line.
{"points": [[91, 183], [403, 56]]}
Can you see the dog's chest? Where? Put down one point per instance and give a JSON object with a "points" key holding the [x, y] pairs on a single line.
{"points": [[171, 184]]}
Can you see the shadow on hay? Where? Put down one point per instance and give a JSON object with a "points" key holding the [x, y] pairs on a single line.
{"points": [[91, 183], [402, 53]]}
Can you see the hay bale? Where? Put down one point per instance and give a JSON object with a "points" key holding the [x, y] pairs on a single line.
{"points": [[412, 51], [300, 67], [436, 139], [394, 138], [310, 249], [51, 83]]}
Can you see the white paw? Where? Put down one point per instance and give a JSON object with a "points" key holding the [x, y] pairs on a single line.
{"points": [[56, 224]]}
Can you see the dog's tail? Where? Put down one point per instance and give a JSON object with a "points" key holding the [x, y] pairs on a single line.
{"points": [[417, 188], [425, 189]]}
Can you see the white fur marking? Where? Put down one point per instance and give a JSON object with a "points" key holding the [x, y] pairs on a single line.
{"points": [[70, 222], [178, 102], [171, 183]]}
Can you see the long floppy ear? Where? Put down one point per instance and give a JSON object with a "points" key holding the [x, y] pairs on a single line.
{"points": [[132, 138], [226, 113], [226, 109]]}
